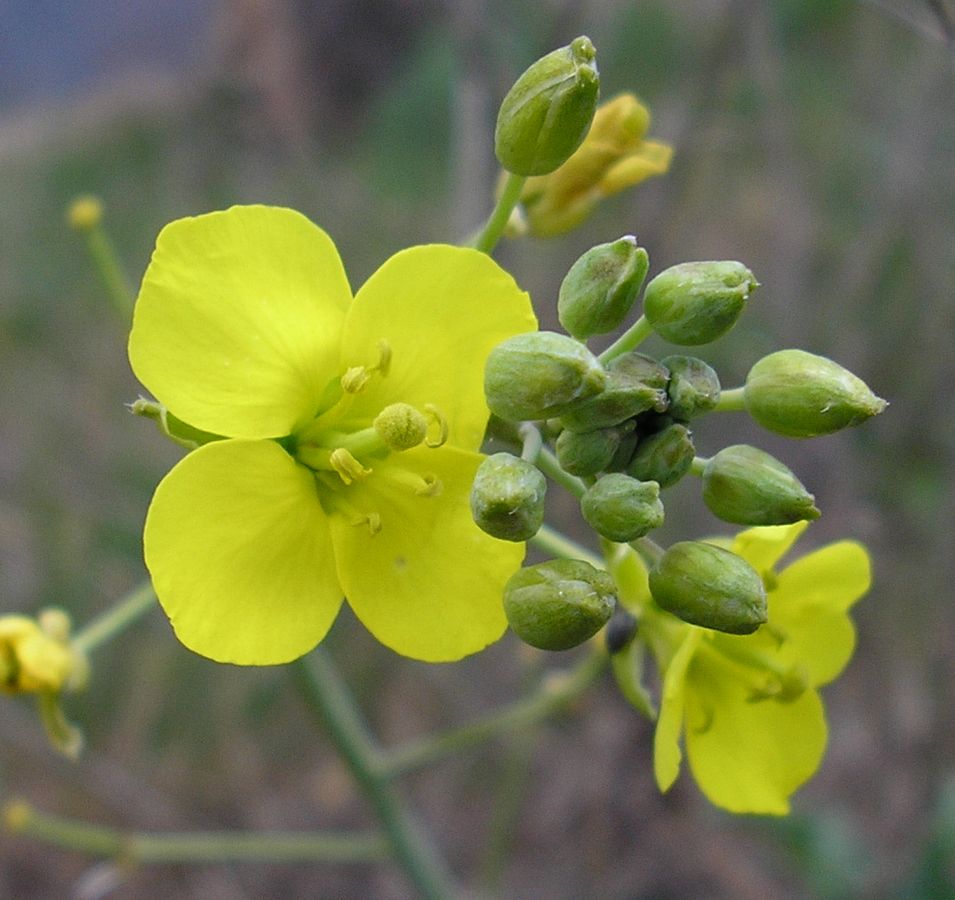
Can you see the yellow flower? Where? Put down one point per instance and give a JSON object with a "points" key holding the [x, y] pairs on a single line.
{"points": [[32, 660], [245, 327], [613, 157], [748, 706]]}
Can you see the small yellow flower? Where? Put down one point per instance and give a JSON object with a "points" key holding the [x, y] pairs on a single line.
{"points": [[748, 705], [32, 660], [613, 157], [246, 328]]}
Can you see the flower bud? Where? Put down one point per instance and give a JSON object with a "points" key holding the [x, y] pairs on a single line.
{"points": [[85, 213], [799, 394], [546, 114], [708, 586], [621, 630], [559, 604], [694, 387], [745, 485], [584, 453], [507, 497], [33, 660], [697, 302], [601, 287], [540, 374], [664, 457], [634, 383], [620, 508]]}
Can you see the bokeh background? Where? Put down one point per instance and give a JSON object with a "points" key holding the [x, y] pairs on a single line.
{"points": [[815, 141]]}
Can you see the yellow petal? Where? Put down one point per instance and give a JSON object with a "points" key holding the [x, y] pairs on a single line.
{"points": [[833, 577], [429, 584], [763, 547], [236, 329], [666, 738], [441, 309], [240, 555], [652, 158], [749, 757]]}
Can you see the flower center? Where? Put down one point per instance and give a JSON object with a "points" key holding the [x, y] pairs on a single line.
{"points": [[343, 448]]}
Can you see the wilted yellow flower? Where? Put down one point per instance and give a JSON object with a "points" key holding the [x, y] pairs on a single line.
{"points": [[613, 157], [32, 659]]}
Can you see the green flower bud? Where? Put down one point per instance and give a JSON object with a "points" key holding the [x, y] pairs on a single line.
{"points": [[798, 394], [559, 604], [628, 443], [745, 485], [620, 508], [634, 383], [621, 630], [697, 302], [694, 387], [507, 497], [586, 453], [546, 114], [664, 457], [601, 287], [540, 374], [706, 585]]}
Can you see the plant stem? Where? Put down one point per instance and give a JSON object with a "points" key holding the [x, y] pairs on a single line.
{"points": [[106, 262], [554, 693], [126, 611], [698, 465], [192, 847], [531, 442], [326, 694], [547, 463], [731, 400], [552, 541], [487, 240], [635, 335]]}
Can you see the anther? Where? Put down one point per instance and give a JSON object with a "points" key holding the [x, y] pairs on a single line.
{"points": [[372, 520], [355, 379], [438, 420], [348, 468]]}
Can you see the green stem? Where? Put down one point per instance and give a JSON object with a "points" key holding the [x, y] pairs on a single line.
{"points": [[731, 400], [555, 692], [325, 692], [698, 465], [548, 464], [635, 335], [487, 240], [192, 847], [531, 442], [650, 551], [106, 262], [552, 541], [135, 604]]}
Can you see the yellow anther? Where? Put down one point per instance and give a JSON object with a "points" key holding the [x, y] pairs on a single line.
{"points": [[384, 358], [348, 468], [431, 486], [355, 379], [438, 420], [372, 520]]}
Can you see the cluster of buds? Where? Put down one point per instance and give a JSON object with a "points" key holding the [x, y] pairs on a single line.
{"points": [[620, 427]]}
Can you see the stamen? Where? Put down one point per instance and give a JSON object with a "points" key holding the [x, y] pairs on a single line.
{"points": [[431, 486], [384, 358], [426, 485], [348, 468], [437, 418], [355, 379], [372, 520]]}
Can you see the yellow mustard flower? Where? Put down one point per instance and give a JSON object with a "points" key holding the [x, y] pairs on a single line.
{"points": [[747, 706], [614, 156], [350, 429], [32, 660]]}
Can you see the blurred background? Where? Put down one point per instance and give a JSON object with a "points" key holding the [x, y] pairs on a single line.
{"points": [[815, 141]]}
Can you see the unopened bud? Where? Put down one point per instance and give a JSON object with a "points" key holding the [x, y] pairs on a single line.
{"points": [[664, 457], [85, 213], [694, 387], [546, 114], [507, 497], [585, 453], [601, 287], [620, 508], [697, 302], [559, 604], [540, 374], [708, 586], [799, 394], [746, 485], [634, 384]]}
